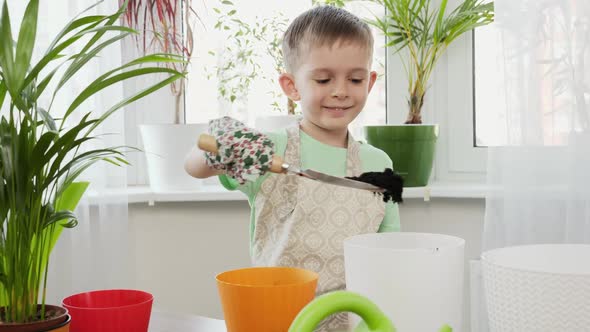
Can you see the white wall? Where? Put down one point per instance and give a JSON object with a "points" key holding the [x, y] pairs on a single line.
{"points": [[182, 246]]}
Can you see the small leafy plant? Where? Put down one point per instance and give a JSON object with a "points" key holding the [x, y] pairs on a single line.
{"points": [[247, 45]]}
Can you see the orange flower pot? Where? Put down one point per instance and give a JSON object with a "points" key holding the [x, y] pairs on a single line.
{"points": [[264, 298]]}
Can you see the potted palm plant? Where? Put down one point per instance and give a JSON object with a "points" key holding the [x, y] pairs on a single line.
{"points": [[426, 33], [43, 152], [420, 33]]}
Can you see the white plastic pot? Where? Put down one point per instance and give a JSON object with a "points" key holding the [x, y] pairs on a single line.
{"points": [[415, 278], [166, 146], [538, 287]]}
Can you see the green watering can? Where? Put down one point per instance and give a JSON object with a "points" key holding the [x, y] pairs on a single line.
{"points": [[374, 320]]}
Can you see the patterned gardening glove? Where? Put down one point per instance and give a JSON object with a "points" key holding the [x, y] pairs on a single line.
{"points": [[243, 153]]}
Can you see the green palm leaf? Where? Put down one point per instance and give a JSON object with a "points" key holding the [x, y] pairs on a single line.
{"points": [[425, 31], [41, 156], [26, 41]]}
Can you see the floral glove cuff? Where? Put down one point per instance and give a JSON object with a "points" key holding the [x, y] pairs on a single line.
{"points": [[243, 153]]}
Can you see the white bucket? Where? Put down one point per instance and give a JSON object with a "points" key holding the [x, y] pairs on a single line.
{"points": [[415, 278], [166, 146], [538, 287]]}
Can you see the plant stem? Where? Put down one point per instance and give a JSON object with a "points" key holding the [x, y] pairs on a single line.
{"points": [[415, 103], [177, 100]]}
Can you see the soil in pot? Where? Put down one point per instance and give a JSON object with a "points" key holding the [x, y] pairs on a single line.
{"points": [[54, 316]]}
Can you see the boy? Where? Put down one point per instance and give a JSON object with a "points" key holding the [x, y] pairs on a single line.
{"points": [[296, 221]]}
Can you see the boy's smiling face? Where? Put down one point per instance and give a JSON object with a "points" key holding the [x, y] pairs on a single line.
{"points": [[332, 83]]}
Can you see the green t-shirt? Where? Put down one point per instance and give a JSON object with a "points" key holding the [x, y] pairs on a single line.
{"points": [[326, 159]]}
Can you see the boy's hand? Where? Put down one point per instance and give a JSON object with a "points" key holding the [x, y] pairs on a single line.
{"points": [[243, 153]]}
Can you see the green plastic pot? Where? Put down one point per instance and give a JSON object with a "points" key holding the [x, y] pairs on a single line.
{"points": [[374, 320], [411, 148]]}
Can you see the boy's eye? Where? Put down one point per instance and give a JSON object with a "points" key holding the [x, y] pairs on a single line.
{"points": [[356, 80], [323, 81]]}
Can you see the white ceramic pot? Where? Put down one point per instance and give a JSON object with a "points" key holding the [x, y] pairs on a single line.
{"points": [[166, 146]]}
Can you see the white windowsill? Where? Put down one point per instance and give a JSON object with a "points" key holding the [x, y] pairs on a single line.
{"points": [[143, 194], [207, 193], [448, 190]]}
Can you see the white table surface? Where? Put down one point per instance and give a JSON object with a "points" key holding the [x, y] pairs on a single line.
{"points": [[172, 322]]}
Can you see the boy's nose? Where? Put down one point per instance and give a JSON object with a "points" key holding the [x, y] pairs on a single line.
{"points": [[340, 90]]}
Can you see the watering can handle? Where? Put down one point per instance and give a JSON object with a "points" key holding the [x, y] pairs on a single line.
{"points": [[341, 301]]}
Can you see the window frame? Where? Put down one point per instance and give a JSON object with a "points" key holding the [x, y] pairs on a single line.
{"points": [[451, 90], [464, 161]]}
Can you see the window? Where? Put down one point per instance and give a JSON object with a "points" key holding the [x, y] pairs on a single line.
{"points": [[452, 107], [449, 103], [526, 82], [233, 71]]}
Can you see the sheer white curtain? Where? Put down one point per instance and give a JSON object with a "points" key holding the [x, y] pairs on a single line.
{"points": [[97, 253], [539, 184]]}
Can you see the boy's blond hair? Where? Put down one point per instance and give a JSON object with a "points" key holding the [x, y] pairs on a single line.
{"points": [[323, 25]]}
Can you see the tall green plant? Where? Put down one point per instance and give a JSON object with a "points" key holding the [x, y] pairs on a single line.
{"points": [[424, 31], [427, 33], [42, 155]]}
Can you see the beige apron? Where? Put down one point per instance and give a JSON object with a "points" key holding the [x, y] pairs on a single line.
{"points": [[302, 223]]}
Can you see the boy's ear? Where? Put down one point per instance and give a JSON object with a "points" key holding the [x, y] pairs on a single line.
{"points": [[372, 79], [287, 82]]}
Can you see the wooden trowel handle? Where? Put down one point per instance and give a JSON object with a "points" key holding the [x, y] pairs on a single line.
{"points": [[209, 144]]}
